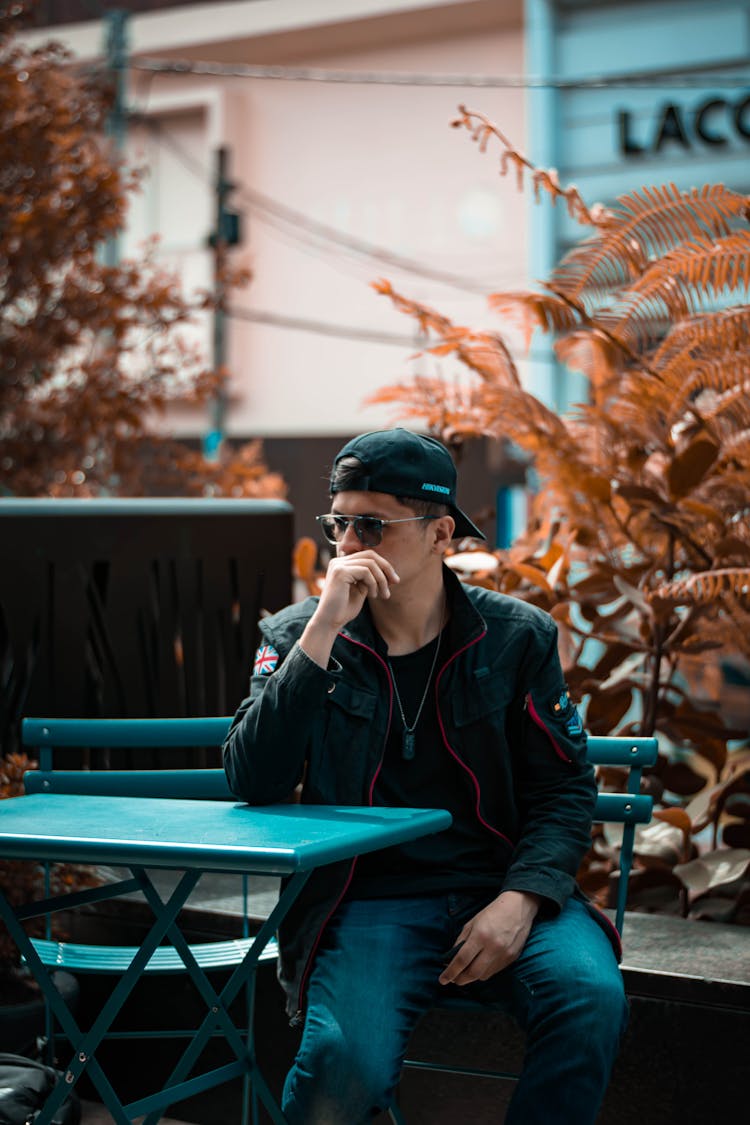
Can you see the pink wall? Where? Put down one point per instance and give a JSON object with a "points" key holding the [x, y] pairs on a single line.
{"points": [[379, 163]]}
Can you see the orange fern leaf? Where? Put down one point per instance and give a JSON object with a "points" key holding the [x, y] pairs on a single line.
{"points": [[594, 354], [547, 180], [640, 319], [428, 319], [728, 327], [715, 263], [709, 586], [591, 271], [535, 310], [446, 409], [644, 225], [696, 371], [680, 283], [486, 353]]}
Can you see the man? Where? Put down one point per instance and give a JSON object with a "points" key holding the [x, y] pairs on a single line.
{"points": [[401, 686]]}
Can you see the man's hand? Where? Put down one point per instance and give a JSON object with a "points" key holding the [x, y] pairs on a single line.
{"points": [[493, 938], [349, 580]]}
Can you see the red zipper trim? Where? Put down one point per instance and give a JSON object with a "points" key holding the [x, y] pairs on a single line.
{"points": [[615, 935], [452, 752], [543, 726], [334, 908]]}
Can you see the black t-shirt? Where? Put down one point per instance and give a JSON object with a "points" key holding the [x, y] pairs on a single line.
{"points": [[459, 858]]}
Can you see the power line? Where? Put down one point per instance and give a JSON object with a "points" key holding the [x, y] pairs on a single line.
{"points": [[315, 231], [399, 78], [278, 320], [357, 246], [419, 341], [321, 328], [325, 328]]}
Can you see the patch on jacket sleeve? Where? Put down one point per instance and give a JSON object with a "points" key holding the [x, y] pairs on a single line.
{"points": [[565, 708], [266, 659]]}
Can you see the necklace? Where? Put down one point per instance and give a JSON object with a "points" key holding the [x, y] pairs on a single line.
{"points": [[408, 736]]}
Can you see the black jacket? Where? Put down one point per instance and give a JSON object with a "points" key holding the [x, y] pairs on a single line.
{"points": [[504, 713]]}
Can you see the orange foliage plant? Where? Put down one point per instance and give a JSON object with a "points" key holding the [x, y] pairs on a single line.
{"points": [[90, 353], [638, 541]]}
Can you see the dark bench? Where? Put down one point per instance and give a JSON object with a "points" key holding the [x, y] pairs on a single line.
{"points": [[683, 1057]]}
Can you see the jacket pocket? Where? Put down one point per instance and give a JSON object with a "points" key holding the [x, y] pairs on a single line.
{"points": [[487, 692], [338, 761], [354, 702]]}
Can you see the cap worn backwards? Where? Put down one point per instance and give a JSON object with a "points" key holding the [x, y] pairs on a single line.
{"points": [[402, 463]]}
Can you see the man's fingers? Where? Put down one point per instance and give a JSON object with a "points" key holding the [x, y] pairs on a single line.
{"points": [[459, 964], [376, 574], [367, 581]]}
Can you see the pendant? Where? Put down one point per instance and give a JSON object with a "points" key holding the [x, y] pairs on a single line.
{"points": [[407, 745]]}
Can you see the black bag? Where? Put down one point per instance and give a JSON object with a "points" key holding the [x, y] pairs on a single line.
{"points": [[24, 1088]]}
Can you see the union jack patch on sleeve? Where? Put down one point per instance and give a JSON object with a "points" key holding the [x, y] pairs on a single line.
{"points": [[266, 659]]}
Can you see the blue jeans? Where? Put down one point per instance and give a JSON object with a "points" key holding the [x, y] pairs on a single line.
{"points": [[376, 973]]}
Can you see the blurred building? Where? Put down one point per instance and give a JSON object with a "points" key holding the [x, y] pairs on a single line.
{"points": [[345, 169]]}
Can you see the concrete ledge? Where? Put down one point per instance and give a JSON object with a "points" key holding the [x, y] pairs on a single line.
{"points": [[684, 961]]}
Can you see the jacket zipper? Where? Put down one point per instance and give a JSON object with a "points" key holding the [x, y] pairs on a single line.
{"points": [[539, 721], [334, 908], [452, 752]]}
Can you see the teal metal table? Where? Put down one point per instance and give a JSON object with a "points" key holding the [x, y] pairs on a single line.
{"points": [[192, 837]]}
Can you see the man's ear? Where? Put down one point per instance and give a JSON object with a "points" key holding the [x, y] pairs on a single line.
{"points": [[443, 531]]}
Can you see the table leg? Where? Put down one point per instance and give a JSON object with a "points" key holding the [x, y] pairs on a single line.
{"points": [[86, 1043], [243, 975]]}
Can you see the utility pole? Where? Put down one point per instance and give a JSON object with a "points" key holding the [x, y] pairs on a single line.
{"points": [[115, 25], [225, 234]]}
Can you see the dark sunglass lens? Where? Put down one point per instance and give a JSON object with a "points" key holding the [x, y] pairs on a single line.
{"points": [[331, 529], [369, 530]]}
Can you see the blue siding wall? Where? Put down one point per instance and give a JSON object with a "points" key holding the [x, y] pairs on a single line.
{"points": [[645, 93]]}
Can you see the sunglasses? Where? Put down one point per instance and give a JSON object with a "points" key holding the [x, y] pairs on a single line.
{"points": [[368, 529]]}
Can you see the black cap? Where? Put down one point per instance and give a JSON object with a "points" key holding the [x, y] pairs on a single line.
{"points": [[401, 463]]}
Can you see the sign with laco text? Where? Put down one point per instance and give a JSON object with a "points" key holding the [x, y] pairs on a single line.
{"points": [[714, 123]]}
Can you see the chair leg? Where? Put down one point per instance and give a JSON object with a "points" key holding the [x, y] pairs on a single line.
{"points": [[396, 1115], [246, 1093], [249, 1102]]}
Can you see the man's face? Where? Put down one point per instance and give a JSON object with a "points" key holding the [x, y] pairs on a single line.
{"points": [[408, 546]]}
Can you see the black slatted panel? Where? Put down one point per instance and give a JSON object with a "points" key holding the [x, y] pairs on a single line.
{"points": [[128, 608]]}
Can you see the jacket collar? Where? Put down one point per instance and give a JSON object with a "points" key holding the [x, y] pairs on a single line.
{"points": [[465, 622]]}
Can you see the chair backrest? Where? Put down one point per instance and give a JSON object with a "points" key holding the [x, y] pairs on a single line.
{"points": [[48, 736], [629, 808]]}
